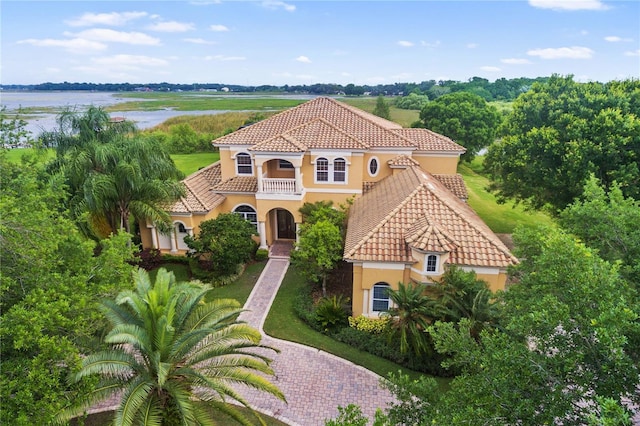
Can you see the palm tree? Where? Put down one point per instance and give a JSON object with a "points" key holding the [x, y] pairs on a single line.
{"points": [[174, 356], [412, 312]]}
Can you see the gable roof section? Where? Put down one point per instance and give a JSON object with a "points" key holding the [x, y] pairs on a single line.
{"points": [[199, 197], [367, 129], [427, 140], [244, 184], [455, 184], [412, 208]]}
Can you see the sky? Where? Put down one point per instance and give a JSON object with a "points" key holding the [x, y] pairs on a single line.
{"points": [[277, 42]]}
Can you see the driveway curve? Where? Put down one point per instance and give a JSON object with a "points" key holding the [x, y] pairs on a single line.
{"points": [[313, 381]]}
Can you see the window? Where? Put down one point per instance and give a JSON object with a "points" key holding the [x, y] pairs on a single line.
{"points": [[339, 170], [431, 264], [322, 170], [243, 162], [248, 213], [332, 172], [181, 228], [373, 166], [380, 297], [284, 164]]}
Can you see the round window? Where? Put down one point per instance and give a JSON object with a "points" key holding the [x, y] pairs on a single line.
{"points": [[373, 166]]}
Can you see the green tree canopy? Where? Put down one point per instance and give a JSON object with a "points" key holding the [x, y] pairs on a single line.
{"points": [[50, 286], [464, 117], [225, 242], [170, 352], [382, 108], [559, 133]]}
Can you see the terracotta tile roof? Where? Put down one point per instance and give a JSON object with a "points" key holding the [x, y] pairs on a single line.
{"points": [[199, 197], [402, 161], [414, 208], [367, 129], [367, 186], [321, 134], [280, 143], [238, 184], [426, 140], [454, 183]]}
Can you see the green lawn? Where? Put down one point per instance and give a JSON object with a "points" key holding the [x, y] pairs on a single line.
{"points": [[501, 218], [189, 163], [404, 117], [15, 155]]}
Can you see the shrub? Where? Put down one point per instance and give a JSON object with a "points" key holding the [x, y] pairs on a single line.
{"points": [[369, 325], [261, 254], [331, 312], [149, 259]]}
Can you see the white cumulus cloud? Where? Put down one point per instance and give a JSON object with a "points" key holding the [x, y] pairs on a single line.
{"points": [[73, 45], [198, 41], [218, 28], [616, 39], [274, 4], [574, 52], [108, 35], [632, 53], [515, 61], [405, 43], [430, 44], [303, 59], [172, 27], [113, 19], [569, 4]]}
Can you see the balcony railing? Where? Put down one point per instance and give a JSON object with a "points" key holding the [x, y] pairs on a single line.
{"points": [[278, 186]]}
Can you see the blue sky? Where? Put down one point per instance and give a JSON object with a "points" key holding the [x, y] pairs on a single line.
{"points": [[306, 42]]}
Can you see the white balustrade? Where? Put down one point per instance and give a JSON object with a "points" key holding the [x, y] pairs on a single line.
{"points": [[278, 186]]}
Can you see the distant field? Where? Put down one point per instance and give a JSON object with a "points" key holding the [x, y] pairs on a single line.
{"points": [[404, 117]]}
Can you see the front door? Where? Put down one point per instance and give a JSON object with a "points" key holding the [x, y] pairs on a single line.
{"points": [[286, 225]]}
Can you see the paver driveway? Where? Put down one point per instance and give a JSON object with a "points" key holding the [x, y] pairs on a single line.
{"points": [[314, 382]]}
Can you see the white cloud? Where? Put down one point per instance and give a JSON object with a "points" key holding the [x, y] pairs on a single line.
{"points": [[615, 39], [130, 62], [569, 4], [218, 28], [303, 59], [74, 45], [198, 41], [515, 61], [574, 52], [224, 58], [274, 4], [172, 27], [490, 69], [632, 53], [429, 44], [405, 43], [108, 35], [472, 45], [113, 18]]}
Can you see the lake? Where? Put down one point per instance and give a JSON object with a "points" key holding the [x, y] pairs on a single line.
{"points": [[39, 122]]}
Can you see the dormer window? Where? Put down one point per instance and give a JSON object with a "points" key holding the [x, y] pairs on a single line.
{"points": [[431, 263], [243, 164]]}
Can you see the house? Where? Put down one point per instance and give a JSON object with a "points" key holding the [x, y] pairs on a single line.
{"points": [[409, 219]]}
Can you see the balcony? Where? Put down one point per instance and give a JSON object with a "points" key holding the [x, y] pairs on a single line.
{"points": [[278, 186]]}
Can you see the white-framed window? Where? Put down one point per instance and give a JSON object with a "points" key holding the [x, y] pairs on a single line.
{"points": [[373, 167], [284, 165], [380, 301], [331, 171], [181, 232], [431, 263], [244, 166], [248, 213]]}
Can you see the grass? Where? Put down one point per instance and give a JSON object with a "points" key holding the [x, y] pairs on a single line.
{"points": [[241, 288], [501, 218], [213, 124], [198, 101], [283, 323], [15, 155], [189, 163], [404, 117]]}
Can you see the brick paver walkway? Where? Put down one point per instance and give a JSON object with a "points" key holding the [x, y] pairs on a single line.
{"points": [[314, 382]]}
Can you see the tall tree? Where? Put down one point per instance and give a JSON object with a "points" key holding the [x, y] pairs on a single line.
{"points": [[559, 133], [382, 108], [50, 286], [464, 117], [318, 251], [174, 355]]}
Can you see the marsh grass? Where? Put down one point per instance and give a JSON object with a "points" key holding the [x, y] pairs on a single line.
{"points": [[215, 124]]}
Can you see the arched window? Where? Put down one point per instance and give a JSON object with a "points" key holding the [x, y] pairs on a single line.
{"points": [[431, 263], [339, 170], [243, 164], [380, 299], [373, 166], [322, 170], [248, 213], [181, 228]]}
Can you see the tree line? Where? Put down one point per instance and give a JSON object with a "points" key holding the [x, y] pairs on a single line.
{"points": [[500, 89]]}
